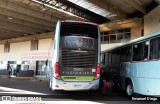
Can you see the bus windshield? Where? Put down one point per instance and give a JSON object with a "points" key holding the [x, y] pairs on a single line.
{"points": [[80, 35], [79, 29]]}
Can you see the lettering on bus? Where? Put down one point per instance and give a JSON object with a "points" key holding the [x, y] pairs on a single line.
{"points": [[77, 73], [78, 69]]}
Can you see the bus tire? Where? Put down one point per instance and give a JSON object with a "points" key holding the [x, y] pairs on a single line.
{"points": [[129, 89], [50, 85]]}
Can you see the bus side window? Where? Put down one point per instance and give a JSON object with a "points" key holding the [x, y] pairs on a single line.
{"points": [[137, 52], [106, 59], [158, 47], [102, 58], [154, 51], [145, 50]]}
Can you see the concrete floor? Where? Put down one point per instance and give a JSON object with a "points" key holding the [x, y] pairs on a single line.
{"points": [[36, 88]]}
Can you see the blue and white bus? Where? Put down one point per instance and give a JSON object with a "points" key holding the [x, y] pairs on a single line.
{"points": [[135, 65], [76, 56]]}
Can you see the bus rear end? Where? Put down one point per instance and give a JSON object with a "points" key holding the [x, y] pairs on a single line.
{"points": [[78, 66]]}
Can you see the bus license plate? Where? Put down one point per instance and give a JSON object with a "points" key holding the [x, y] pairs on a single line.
{"points": [[77, 85]]}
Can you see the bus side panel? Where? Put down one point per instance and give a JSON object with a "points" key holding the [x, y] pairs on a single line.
{"points": [[55, 53], [145, 77], [146, 86], [149, 69], [151, 73], [138, 84], [152, 86], [56, 43]]}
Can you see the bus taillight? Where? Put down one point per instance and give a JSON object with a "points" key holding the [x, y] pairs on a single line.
{"points": [[57, 73], [95, 24], [97, 72], [80, 21], [62, 20]]}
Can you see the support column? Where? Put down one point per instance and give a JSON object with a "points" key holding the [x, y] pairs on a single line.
{"points": [[6, 47], [34, 45], [32, 66], [135, 32]]}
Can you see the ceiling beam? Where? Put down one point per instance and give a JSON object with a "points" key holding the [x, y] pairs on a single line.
{"points": [[19, 27], [140, 3], [152, 5], [149, 8], [110, 8], [25, 17], [77, 10], [42, 8], [135, 5], [28, 38], [27, 10], [25, 22], [54, 13], [22, 22], [12, 32], [5, 34]]}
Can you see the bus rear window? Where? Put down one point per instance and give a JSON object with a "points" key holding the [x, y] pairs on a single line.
{"points": [[79, 29]]}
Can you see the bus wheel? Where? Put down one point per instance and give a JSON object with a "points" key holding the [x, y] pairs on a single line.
{"points": [[50, 85], [129, 89]]}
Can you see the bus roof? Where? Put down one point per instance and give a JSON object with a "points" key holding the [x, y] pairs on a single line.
{"points": [[79, 22], [134, 40]]}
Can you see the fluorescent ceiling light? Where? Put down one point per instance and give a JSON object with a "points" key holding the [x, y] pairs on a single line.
{"points": [[92, 7]]}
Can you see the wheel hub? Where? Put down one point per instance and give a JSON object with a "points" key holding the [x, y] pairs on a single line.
{"points": [[129, 90]]}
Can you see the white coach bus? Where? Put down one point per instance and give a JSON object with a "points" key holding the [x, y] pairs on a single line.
{"points": [[76, 56], [136, 65]]}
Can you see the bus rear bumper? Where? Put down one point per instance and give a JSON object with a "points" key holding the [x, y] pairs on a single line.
{"points": [[75, 85]]}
